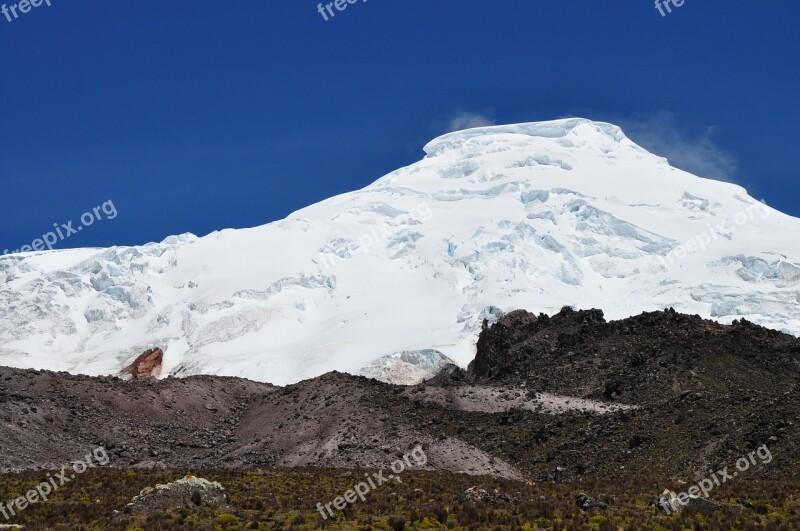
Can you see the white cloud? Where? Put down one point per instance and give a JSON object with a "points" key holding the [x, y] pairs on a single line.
{"points": [[695, 153], [468, 120]]}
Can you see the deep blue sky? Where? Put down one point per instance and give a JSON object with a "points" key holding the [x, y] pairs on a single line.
{"points": [[199, 115]]}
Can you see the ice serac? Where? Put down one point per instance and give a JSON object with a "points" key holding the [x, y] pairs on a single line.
{"points": [[407, 368], [534, 216]]}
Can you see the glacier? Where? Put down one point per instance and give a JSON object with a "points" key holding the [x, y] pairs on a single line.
{"points": [[537, 216]]}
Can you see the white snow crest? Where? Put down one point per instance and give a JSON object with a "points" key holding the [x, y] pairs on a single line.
{"points": [[492, 219]]}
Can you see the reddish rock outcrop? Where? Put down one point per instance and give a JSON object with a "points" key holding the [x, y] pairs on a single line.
{"points": [[147, 365]]}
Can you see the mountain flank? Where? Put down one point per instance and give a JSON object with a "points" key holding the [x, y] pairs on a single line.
{"points": [[548, 398]]}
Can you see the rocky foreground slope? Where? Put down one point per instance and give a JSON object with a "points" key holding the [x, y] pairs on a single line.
{"points": [[556, 397]]}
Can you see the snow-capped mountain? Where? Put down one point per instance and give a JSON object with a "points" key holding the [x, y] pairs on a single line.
{"points": [[534, 216]]}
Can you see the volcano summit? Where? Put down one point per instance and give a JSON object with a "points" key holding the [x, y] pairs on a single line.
{"points": [[535, 216]]}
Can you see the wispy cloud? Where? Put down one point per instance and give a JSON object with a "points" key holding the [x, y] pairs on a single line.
{"points": [[694, 152], [467, 120]]}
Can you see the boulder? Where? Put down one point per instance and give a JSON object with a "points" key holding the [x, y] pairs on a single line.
{"points": [[585, 502], [146, 366], [669, 502], [190, 492], [475, 494]]}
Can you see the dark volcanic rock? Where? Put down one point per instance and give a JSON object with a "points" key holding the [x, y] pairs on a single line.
{"points": [[720, 391], [585, 502]]}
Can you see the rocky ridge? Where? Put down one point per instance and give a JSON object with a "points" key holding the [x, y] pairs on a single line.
{"points": [[558, 397]]}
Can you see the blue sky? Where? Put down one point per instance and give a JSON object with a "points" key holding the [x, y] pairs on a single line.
{"points": [[203, 115]]}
